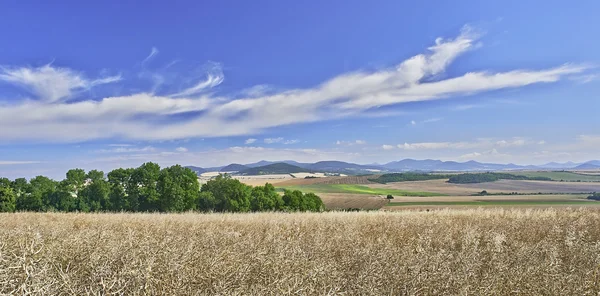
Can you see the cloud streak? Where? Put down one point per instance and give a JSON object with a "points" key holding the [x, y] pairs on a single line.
{"points": [[146, 116]]}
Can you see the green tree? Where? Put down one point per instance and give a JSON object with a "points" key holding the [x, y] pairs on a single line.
{"points": [[118, 180], [7, 199], [37, 195], [178, 188], [95, 196], [265, 198], [95, 175], [20, 186], [142, 193], [62, 199], [206, 201], [292, 200], [230, 194]]}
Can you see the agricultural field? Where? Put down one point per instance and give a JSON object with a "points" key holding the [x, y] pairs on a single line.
{"points": [[501, 186], [562, 175], [356, 189], [445, 252]]}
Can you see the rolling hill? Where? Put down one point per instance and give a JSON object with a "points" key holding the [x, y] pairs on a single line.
{"points": [[276, 168], [234, 167]]}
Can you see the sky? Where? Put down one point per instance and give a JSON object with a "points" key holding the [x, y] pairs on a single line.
{"points": [[108, 84]]}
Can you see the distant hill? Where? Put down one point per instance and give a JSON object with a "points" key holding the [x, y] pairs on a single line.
{"points": [[438, 165], [234, 167], [276, 168], [405, 165], [593, 164], [197, 170]]}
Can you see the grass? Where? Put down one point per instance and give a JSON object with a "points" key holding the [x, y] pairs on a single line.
{"points": [[357, 189], [447, 252], [557, 176], [493, 203]]}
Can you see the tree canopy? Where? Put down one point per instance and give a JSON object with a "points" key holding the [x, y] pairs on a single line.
{"points": [[147, 188]]}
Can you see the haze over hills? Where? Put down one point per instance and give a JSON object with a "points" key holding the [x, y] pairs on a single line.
{"points": [[290, 166]]}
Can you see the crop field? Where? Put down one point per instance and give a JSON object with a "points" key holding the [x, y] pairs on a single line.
{"points": [[341, 201], [356, 189], [506, 186], [446, 252], [557, 176], [329, 180]]}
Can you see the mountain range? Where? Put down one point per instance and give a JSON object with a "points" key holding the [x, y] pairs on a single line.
{"points": [[426, 165]]}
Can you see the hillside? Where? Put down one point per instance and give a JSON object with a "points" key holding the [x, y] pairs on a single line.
{"points": [[272, 169], [195, 169], [234, 167]]}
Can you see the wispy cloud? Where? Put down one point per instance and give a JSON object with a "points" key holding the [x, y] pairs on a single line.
{"points": [[134, 117], [153, 52], [480, 143], [51, 84], [273, 140], [181, 149], [351, 143], [250, 141], [16, 162], [127, 149]]}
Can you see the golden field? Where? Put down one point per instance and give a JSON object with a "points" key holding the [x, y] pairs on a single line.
{"points": [[446, 252]]}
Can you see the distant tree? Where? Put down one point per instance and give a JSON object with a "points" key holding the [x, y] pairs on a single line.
{"points": [[230, 194], [36, 196], [75, 180], [118, 181], [178, 188], [206, 201], [95, 196], [20, 186], [7, 198], [142, 194], [95, 175], [484, 192], [389, 196], [265, 198], [62, 199]]}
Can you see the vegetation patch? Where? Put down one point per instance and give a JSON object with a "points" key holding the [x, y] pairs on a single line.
{"points": [[404, 177], [470, 178], [562, 176], [491, 203], [358, 189]]}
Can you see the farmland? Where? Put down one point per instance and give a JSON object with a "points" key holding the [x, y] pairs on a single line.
{"points": [[448, 252], [562, 175], [357, 189]]}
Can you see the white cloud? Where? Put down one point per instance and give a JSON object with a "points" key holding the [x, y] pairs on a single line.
{"points": [[127, 149], [136, 116], [288, 142], [412, 122], [480, 143], [153, 52], [351, 143], [51, 84], [250, 141], [432, 120], [273, 140], [387, 147], [16, 162], [119, 145], [213, 78], [181, 149]]}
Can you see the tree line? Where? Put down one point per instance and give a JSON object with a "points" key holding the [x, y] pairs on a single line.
{"points": [[468, 178], [147, 188]]}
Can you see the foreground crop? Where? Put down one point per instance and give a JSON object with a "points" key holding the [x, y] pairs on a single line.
{"points": [[445, 252]]}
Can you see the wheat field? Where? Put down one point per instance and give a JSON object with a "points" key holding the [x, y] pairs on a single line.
{"points": [[447, 252]]}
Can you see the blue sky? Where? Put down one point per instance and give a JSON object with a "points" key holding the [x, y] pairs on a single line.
{"points": [[104, 84]]}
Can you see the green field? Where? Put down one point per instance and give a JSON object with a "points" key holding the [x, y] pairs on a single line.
{"points": [[495, 203], [557, 176], [356, 189]]}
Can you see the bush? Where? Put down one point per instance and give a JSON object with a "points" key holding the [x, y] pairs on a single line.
{"points": [[389, 196]]}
